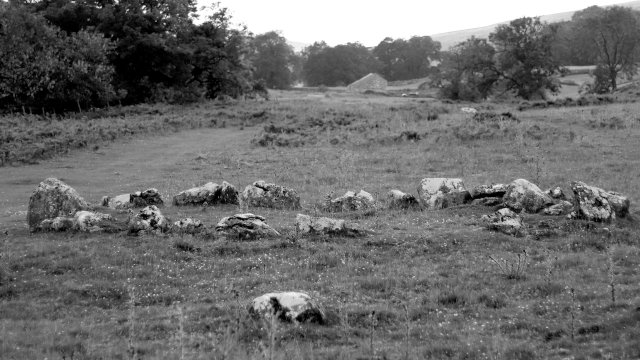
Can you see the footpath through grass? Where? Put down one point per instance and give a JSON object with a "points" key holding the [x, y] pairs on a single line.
{"points": [[423, 285]]}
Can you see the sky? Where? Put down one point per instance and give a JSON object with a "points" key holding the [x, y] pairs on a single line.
{"points": [[369, 22]]}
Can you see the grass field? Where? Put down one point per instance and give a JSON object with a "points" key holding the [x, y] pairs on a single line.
{"points": [[422, 285]]}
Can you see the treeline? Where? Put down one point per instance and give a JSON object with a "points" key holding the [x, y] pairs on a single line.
{"points": [[75, 54], [523, 57]]}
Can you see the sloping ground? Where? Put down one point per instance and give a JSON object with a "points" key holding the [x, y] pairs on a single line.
{"points": [[450, 39]]}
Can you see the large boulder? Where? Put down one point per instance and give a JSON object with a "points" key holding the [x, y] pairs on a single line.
{"points": [[505, 221], [397, 199], [351, 201], [51, 199], [208, 194], [149, 219], [287, 307], [262, 194], [306, 224], [484, 191], [440, 193], [522, 195], [245, 227], [595, 204]]}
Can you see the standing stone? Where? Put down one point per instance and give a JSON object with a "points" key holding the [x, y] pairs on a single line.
{"points": [[208, 194], [595, 204], [306, 224], [245, 227], [524, 195], [262, 194], [149, 219], [400, 200], [505, 221], [440, 193], [351, 201], [287, 307], [53, 198]]}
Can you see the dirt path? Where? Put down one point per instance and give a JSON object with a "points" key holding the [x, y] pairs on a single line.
{"points": [[119, 167]]}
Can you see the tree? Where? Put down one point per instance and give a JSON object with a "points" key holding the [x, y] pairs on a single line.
{"points": [[612, 36], [404, 60], [273, 60], [468, 71], [524, 57], [44, 67], [337, 66]]}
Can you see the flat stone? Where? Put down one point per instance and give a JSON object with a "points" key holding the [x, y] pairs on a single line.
{"points": [[287, 307], [188, 226], [207, 194], [306, 224], [484, 191]]}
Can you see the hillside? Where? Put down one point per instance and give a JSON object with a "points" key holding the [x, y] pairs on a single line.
{"points": [[449, 39]]}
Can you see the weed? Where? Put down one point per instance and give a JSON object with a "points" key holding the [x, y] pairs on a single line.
{"points": [[514, 269]]}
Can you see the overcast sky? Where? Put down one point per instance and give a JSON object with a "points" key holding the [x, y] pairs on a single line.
{"points": [[369, 22]]}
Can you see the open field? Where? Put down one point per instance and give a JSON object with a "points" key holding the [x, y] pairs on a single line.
{"points": [[421, 286]]}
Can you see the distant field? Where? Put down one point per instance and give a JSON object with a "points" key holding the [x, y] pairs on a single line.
{"points": [[421, 286]]}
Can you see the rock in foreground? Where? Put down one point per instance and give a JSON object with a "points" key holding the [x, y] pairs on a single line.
{"points": [[350, 201], [440, 193], [287, 307], [208, 194], [306, 224], [595, 204], [51, 199], [505, 221], [523, 195], [245, 227], [262, 194]]}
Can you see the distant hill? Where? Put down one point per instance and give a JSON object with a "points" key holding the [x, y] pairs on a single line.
{"points": [[450, 39]]}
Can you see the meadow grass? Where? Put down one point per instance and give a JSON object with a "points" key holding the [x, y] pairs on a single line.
{"points": [[422, 285]]}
